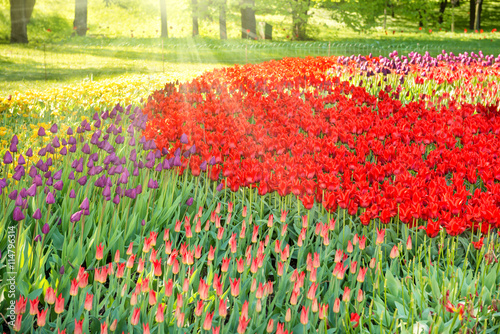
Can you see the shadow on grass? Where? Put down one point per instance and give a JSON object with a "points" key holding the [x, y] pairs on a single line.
{"points": [[79, 58]]}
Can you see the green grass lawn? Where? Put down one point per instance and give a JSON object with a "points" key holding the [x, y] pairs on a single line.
{"points": [[38, 65]]}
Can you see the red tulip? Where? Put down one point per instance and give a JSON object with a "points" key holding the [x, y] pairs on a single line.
{"points": [[135, 316], [88, 302]]}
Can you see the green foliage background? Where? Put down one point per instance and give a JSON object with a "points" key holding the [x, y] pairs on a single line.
{"points": [[53, 19]]}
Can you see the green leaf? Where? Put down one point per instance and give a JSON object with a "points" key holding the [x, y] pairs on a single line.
{"points": [[402, 311], [393, 285], [490, 279]]}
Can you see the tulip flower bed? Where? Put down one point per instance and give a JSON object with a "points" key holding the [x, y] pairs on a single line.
{"points": [[277, 197]]}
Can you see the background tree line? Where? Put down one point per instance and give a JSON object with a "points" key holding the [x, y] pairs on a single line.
{"points": [[359, 15]]}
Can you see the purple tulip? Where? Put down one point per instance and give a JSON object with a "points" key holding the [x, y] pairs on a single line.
{"points": [[50, 198], [14, 140], [29, 152], [72, 149], [203, 166], [159, 167], [138, 189], [212, 161], [143, 223], [57, 175], [49, 182], [71, 175], [152, 184], [150, 156], [116, 199], [190, 201], [97, 123], [42, 152], [76, 216], [3, 183], [107, 191], [72, 194], [55, 142], [13, 195], [130, 193], [19, 201], [177, 152], [53, 128], [58, 185], [79, 167], [17, 215], [38, 238], [18, 175], [61, 270], [184, 139], [219, 187], [131, 142], [85, 204], [82, 181], [41, 132], [166, 164], [37, 214], [32, 171], [37, 180], [86, 148], [21, 160], [13, 148], [150, 164], [72, 141], [192, 149], [31, 190], [7, 158], [45, 228], [177, 162]]}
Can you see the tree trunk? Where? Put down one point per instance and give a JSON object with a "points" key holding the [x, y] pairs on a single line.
{"points": [[299, 19], [442, 8], [472, 13], [222, 20], [194, 5], [29, 5], [80, 24], [163, 14], [20, 15], [248, 23], [477, 18]]}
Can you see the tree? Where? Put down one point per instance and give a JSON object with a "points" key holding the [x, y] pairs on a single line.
{"points": [[222, 19], [194, 14], [80, 23], [476, 8], [163, 14], [248, 23], [358, 15], [20, 15], [442, 8], [299, 9]]}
